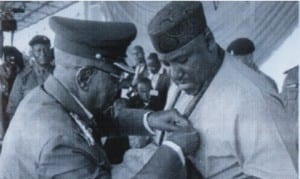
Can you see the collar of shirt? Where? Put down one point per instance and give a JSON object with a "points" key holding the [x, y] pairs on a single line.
{"points": [[161, 71]]}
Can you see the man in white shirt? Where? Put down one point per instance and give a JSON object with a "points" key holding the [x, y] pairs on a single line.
{"points": [[238, 116], [160, 80]]}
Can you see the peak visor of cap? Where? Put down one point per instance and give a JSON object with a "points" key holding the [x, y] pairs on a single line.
{"points": [[93, 33]]}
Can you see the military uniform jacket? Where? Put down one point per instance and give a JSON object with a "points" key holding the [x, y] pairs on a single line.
{"points": [[25, 81], [44, 141], [242, 126]]}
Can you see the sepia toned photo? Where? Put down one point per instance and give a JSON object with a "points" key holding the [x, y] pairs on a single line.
{"points": [[149, 89]]}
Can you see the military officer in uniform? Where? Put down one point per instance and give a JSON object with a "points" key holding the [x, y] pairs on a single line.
{"points": [[32, 75], [243, 50], [57, 137]]}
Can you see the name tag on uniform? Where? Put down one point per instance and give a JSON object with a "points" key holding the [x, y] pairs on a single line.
{"points": [[153, 92]]}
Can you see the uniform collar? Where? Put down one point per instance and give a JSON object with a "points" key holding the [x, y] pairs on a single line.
{"points": [[40, 69], [160, 72], [69, 101]]}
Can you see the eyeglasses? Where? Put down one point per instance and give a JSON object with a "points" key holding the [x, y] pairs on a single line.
{"points": [[112, 74]]}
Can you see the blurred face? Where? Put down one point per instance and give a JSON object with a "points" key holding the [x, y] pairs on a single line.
{"points": [[144, 91], [138, 56], [42, 54], [10, 66], [105, 88], [153, 65], [189, 70]]}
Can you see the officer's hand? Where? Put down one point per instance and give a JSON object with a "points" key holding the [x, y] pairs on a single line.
{"points": [[188, 139], [169, 120]]}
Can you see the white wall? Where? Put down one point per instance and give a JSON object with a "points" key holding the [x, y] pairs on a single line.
{"points": [[283, 58]]}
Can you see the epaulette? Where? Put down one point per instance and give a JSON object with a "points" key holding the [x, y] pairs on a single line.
{"points": [[86, 132]]}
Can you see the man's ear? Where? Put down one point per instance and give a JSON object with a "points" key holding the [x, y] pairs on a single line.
{"points": [[83, 77], [210, 40]]}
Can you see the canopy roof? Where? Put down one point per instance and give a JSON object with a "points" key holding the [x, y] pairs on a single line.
{"points": [[34, 11], [267, 23]]}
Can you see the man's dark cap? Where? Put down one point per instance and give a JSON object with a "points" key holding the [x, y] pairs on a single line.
{"points": [[176, 24], [241, 46], [153, 56], [93, 39], [14, 54], [138, 48], [39, 39]]}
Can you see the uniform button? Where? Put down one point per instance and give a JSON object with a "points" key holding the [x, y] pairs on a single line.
{"points": [[98, 56]]}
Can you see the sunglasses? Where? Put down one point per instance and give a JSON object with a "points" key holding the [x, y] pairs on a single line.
{"points": [[115, 75]]}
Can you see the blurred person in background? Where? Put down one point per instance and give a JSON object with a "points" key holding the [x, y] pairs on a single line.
{"points": [[160, 79], [33, 75], [140, 64], [12, 64], [243, 50]]}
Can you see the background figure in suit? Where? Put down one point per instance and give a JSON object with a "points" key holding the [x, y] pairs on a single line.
{"points": [[144, 99], [140, 68], [159, 77]]}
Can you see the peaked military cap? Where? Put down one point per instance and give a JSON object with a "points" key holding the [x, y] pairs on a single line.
{"points": [[241, 46], [39, 39], [153, 56], [93, 39], [176, 24]]}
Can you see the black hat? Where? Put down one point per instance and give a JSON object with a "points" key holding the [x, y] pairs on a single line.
{"points": [[153, 56], [176, 25], [92, 39], [39, 39], [241, 46]]}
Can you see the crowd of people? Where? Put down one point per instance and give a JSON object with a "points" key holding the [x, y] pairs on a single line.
{"points": [[189, 110], [20, 75]]}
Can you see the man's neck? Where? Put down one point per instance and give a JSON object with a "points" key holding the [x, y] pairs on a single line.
{"points": [[219, 60], [42, 67]]}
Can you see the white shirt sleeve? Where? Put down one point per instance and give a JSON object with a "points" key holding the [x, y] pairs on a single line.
{"points": [[146, 124], [176, 148], [170, 144]]}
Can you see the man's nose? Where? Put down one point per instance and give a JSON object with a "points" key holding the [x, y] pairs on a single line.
{"points": [[44, 52], [177, 74]]}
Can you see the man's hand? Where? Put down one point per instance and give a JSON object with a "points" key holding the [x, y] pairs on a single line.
{"points": [[169, 120], [188, 139]]}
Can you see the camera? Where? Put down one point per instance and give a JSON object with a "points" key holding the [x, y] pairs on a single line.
{"points": [[8, 22]]}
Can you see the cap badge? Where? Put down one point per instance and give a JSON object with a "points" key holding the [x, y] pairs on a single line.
{"points": [[98, 56]]}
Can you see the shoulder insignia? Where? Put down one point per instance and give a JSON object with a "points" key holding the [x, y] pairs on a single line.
{"points": [[86, 131]]}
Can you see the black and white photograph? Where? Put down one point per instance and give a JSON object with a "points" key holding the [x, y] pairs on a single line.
{"points": [[149, 89]]}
